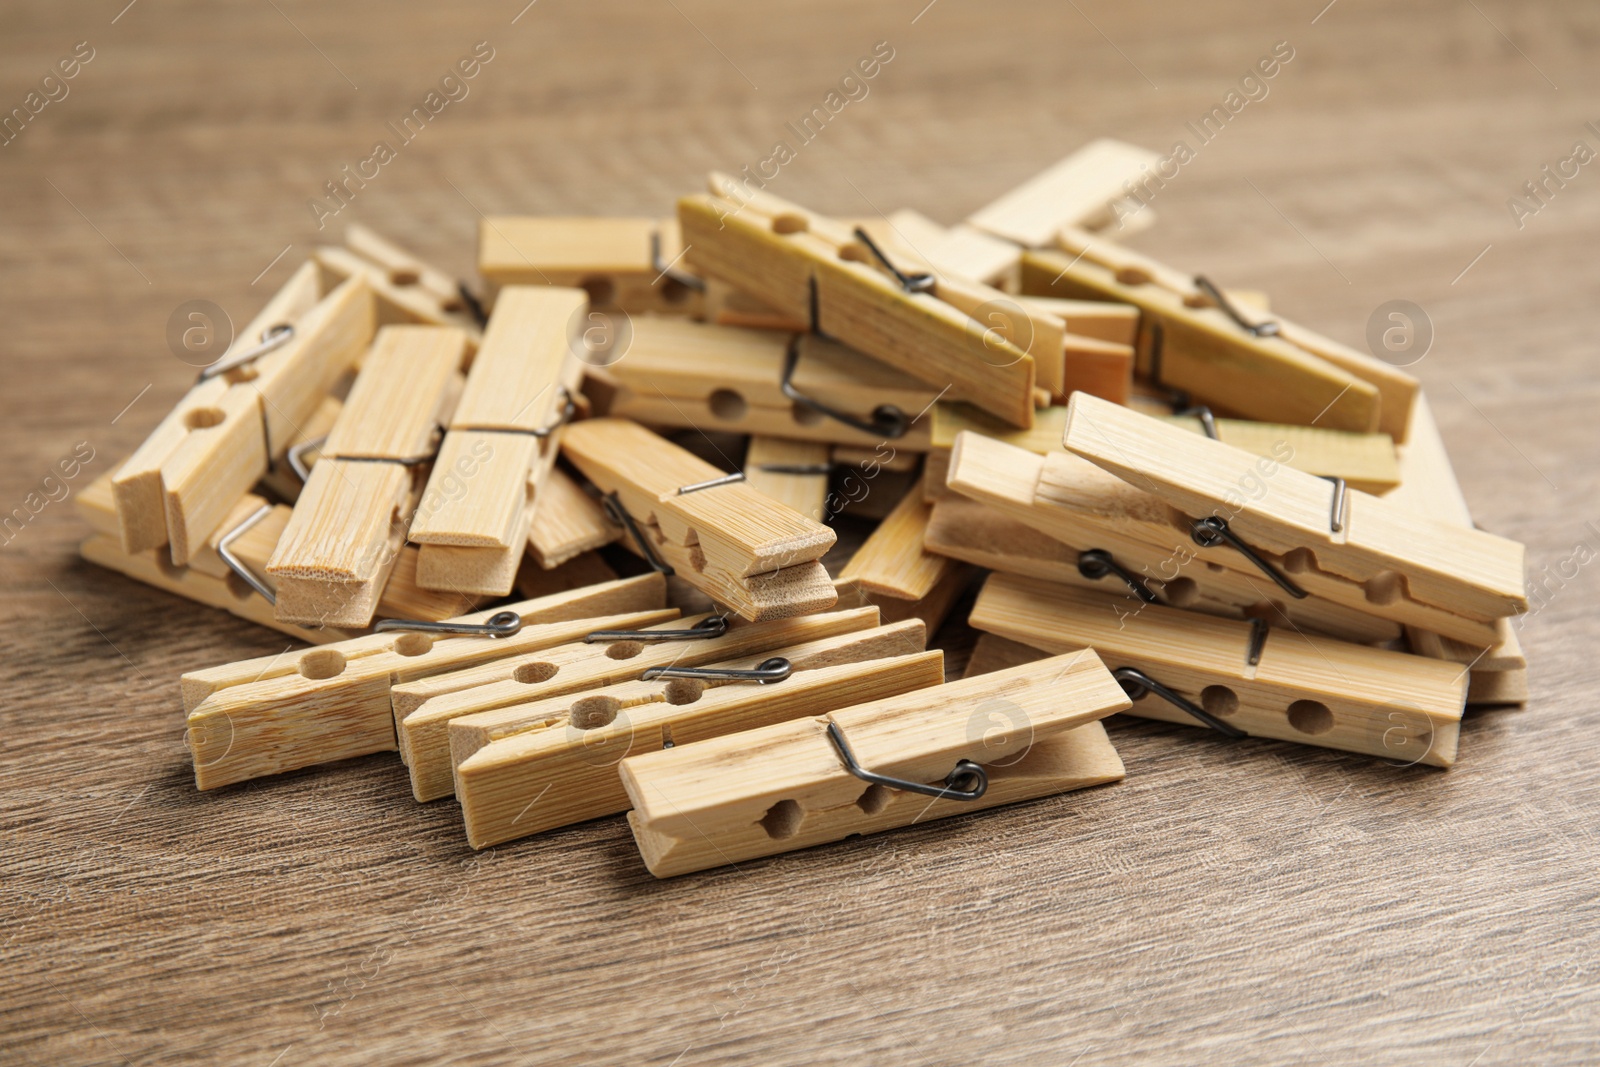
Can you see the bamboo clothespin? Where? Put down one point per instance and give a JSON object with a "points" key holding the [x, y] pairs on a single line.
{"points": [[892, 561], [1070, 356], [1366, 461], [447, 717], [568, 522], [349, 523], [746, 551], [1097, 513], [812, 268], [1193, 339], [299, 709], [408, 291], [794, 473], [472, 523], [220, 438], [240, 548], [563, 770], [960, 251], [206, 580], [1499, 673], [1243, 678], [986, 536], [1338, 543], [969, 745], [692, 375], [1088, 188], [629, 264]]}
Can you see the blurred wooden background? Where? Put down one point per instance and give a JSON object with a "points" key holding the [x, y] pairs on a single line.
{"points": [[1227, 903]]}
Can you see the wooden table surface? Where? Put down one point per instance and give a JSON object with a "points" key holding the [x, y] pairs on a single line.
{"points": [[1228, 903]]}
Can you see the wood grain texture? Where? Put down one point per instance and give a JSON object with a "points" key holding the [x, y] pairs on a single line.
{"points": [[1227, 903]]}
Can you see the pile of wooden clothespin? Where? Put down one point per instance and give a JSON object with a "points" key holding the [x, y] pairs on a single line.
{"points": [[1169, 502]]}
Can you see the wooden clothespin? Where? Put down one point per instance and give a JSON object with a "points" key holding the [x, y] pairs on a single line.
{"points": [[692, 375], [996, 529], [1193, 339], [1366, 461], [1428, 487], [892, 561], [1085, 189], [567, 523], [219, 439], [473, 519], [199, 582], [408, 290], [794, 473], [452, 715], [630, 264], [299, 709], [1070, 356], [1307, 534], [1243, 678], [960, 251], [1015, 735], [742, 549], [563, 770], [349, 522], [1124, 535], [814, 269]]}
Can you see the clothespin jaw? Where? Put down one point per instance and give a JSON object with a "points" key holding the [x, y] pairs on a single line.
{"points": [[809, 267], [1026, 732], [1334, 541], [1239, 677], [634, 265]]}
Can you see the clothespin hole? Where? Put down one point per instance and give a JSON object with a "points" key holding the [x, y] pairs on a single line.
{"points": [[1310, 717], [875, 799], [1132, 276], [322, 663], [1299, 560], [412, 644], [805, 416], [1181, 592], [1219, 700], [591, 713], [1385, 587], [682, 691], [728, 405], [534, 673], [624, 649], [203, 418], [856, 253], [404, 277], [783, 819], [787, 224]]}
